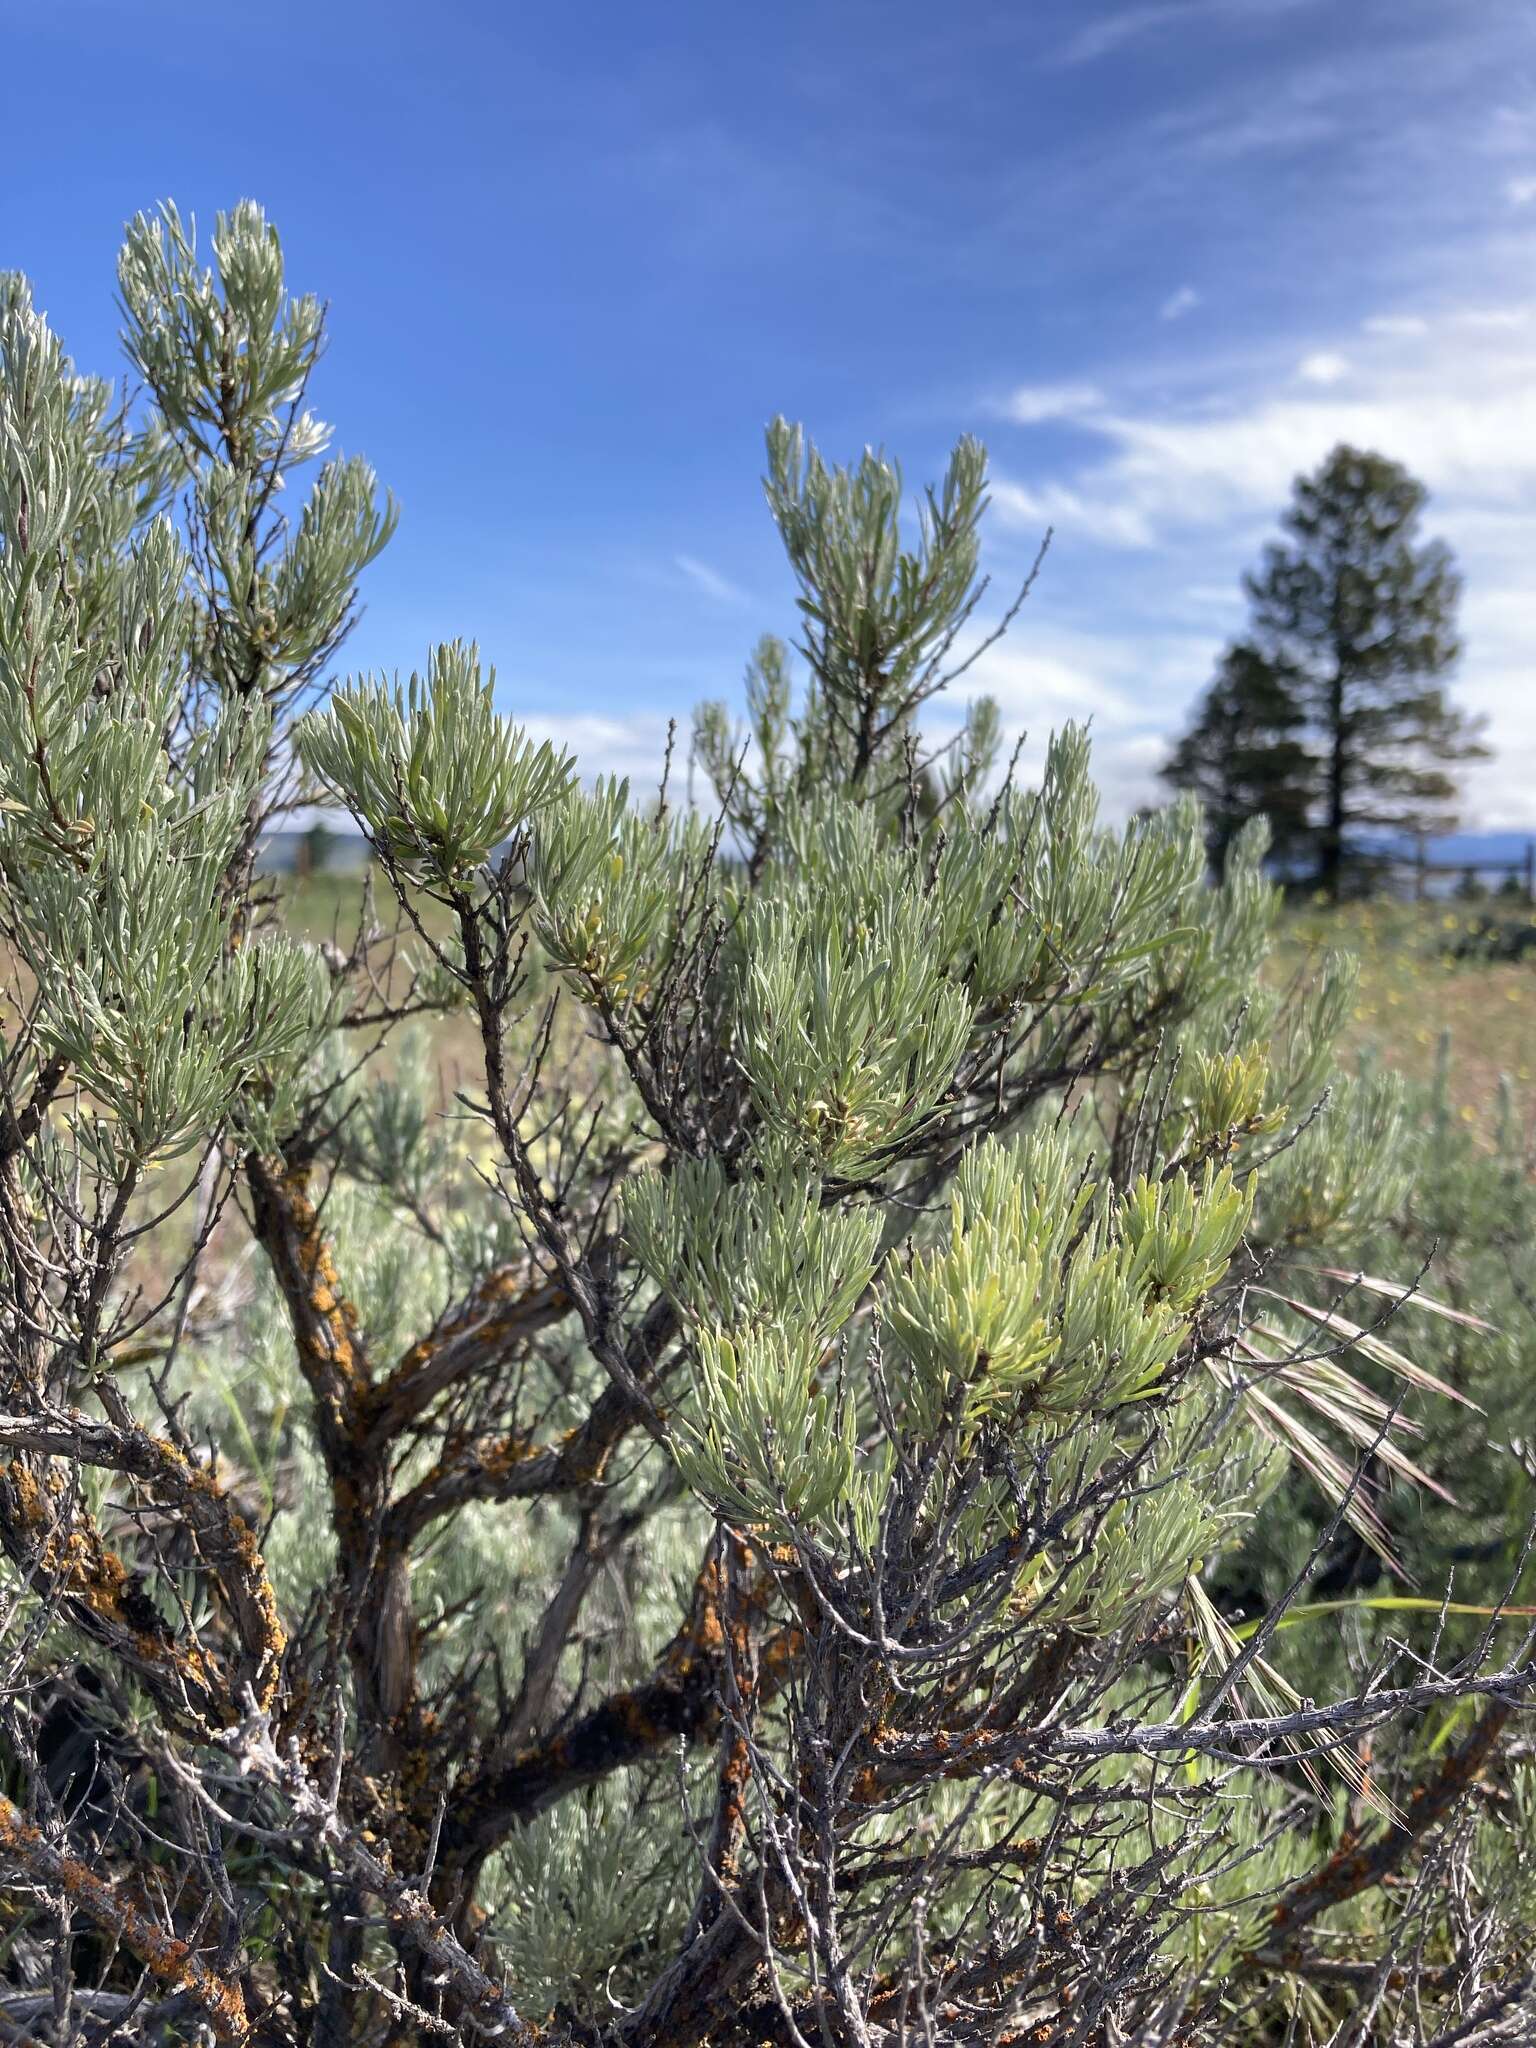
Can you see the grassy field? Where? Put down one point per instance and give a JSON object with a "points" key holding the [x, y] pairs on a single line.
{"points": [[1414, 988]]}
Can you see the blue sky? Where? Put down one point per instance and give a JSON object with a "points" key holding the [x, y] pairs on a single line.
{"points": [[1160, 255]]}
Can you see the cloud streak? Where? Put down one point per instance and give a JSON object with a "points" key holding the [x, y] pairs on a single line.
{"points": [[1113, 31], [1032, 405], [1120, 28], [709, 580]]}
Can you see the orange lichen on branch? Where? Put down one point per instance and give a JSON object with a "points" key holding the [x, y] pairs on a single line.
{"points": [[61, 1552], [734, 1769], [242, 1572], [174, 1964], [227, 1544], [503, 1309], [328, 1338], [69, 1551], [477, 1468], [514, 1467], [325, 1323]]}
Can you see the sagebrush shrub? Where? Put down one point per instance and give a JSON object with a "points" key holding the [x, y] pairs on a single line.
{"points": [[665, 1444]]}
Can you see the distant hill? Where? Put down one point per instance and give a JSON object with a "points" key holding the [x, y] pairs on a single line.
{"points": [[1493, 859], [1476, 846], [1470, 847]]}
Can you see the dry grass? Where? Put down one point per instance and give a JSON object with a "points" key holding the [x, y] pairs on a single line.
{"points": [[1414, 988]]}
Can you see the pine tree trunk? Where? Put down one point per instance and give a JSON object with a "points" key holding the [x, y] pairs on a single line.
{"points": [[1330, 869]]}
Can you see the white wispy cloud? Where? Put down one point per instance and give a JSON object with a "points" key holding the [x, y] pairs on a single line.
{"points": [[709, 580], [1050, 672], [1495, 319], [1462, 417], [1521, 191], [1113, 30], [1323, 366], [1397, 326], [1207, 141], [1178, 303], [1031, 404], [1064, 510], [633, 744]]}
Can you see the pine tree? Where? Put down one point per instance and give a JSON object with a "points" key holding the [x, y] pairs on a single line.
{"points": [[690, 1507], [1356, 617], [1244, 759]]}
